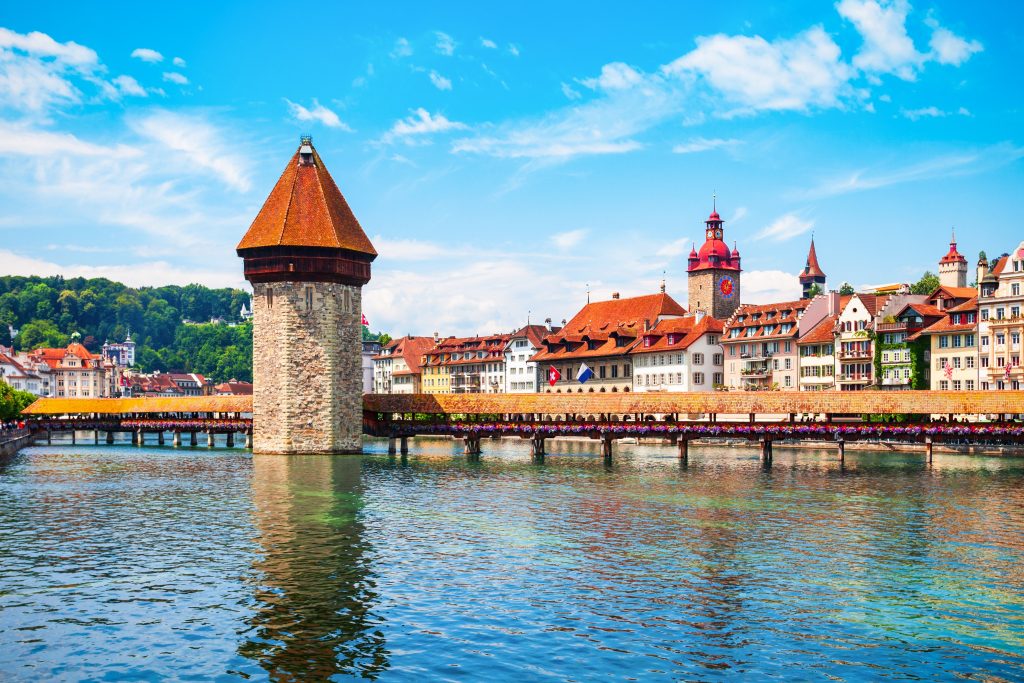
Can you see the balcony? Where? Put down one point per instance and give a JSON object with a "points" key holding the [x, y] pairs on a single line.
{"points": [[855, 354], [755, 374], [895, 381], [892, 327], [756, 355], [856, 378]]}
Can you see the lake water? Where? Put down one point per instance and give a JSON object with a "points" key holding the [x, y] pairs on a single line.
{"points": [[123, 563]]}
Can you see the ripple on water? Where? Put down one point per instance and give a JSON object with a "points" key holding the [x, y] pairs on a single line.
{"points": [[154, 564]]}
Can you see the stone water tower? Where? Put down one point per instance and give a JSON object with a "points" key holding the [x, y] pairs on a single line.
{"points": [[307, 259]]}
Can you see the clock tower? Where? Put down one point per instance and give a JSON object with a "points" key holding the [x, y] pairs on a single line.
{"points": [[714, 273]]}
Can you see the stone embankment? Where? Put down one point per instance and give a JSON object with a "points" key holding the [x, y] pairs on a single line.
{"points": [[13, 441]]}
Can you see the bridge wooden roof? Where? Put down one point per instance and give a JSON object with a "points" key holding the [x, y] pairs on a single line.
{"points": [[124, 406], [723, 403]]}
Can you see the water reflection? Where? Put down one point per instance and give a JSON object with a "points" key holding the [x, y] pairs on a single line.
{"points": [[314, 589]]}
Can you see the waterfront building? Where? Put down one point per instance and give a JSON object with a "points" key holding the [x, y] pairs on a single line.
{"points": [[953, 267], [75, 372], [307, 259], [853, 345], [760, 346], [952, 342], [812, 276], [713, 273], [600, 336], [21, 375], [816, 341], [403, 360], [903, 354], [466, 365], [1000, 324], [522, 374], [679, 354]]}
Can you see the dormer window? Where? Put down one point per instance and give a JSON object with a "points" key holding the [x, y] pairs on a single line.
{"points": [[672, 339], [647, 341]]}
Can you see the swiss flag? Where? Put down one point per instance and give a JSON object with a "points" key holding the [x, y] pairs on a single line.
{"points": [[553, 375], [365, 321]]}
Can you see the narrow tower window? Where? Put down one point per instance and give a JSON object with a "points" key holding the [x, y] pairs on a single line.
{"points": [[270, 297], [309, 298]]}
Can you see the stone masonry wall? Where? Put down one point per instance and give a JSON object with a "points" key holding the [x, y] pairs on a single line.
{"points": [[703, 289], [307, 368]]}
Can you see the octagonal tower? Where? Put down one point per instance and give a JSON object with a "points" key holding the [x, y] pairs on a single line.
{"points": [[307, 259]]}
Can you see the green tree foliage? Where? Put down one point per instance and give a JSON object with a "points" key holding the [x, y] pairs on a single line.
{"points": [[928, 283], [814, 291], [846, 289], [12, 401], [47, 310]]}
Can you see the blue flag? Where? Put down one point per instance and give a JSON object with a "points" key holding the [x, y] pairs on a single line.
{"points": [[584, 374]]}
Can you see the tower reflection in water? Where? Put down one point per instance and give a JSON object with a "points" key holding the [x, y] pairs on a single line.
{"points": [[313, 586]]}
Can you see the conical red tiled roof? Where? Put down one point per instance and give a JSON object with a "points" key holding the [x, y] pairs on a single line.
{"points": [[306, 209], [812, 269]]}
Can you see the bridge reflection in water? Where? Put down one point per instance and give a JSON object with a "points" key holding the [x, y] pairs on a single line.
{"points": [[313, 586]]}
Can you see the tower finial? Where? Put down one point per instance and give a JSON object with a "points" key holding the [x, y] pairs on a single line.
{"points": [[953, 239], [714, 200]]}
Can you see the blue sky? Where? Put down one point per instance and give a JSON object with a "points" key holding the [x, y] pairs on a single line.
{"points": [[502, 159]]}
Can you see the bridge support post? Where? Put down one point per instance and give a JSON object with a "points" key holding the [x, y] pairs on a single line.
{"points": [[142, 438], [135, 437], [160, 437], [110, 437], [231, 440], [49, 437], [96, 436], [403, 445], [928, 448], [248, 440], [841, 446], [176, 440], [684, 450], [538, 448], [209, 439], [606, 448], [73, 435], [766, 451], [392, 446], [192, 439], [472, 448]]}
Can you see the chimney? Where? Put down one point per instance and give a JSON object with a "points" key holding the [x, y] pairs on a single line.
{"points": [[615, 295], [662, 288], [698, 315], [547, 323], [647, 325], [833, 302], [436, 336]]}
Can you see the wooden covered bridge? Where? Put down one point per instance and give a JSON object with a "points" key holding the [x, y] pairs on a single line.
{"points": [[921, 417]]}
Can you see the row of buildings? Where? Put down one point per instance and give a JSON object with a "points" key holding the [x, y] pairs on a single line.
{"points": [[956, 337], [76, 372]]}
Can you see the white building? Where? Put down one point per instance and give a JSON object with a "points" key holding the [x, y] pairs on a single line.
{"points": [[122, 354], [522, 376], [855, 363], [680, 354]]}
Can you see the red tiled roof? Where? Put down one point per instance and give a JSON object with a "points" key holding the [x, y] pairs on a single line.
{"points": [[233, 388], [823, 332], [603, 322], [1000, 265], [306, 209], [493, 346], [685, 331], [744, 318], [953, 256], [412, 349], [533, 333], [926, 310], [967, 306], [812, 269]]}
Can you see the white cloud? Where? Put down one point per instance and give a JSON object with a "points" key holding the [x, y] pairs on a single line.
{"points": [[174, 77], [421, 123], [929, 112], [41, 45], [949, 48], [954, 164], [569, 239], [147, 55], [795, 74], [738, 214], [784, 228], [22, 140], [701, 144], [489, 44], [127, 85], [36, 71], [408, 250], [149, 274], [196, 140], [401, 49], [439, 81], [887, 47], [179, 62], [513, 50], [317, 113], [964, 111], [674, 249], [769, 286], [444, 45], [615, 76], [570, 92]]}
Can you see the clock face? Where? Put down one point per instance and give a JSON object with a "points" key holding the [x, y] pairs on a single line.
{"points": [[727, 286], [718, 234]]}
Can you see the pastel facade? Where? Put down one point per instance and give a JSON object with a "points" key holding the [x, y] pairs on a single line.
{"points": [[953, 347], [522, 374], [760, 343], [1001, 325], [679, 354], [465, 365], [853, 344]]}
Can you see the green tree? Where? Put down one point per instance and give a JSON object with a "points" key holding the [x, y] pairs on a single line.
{"points": [[928, 283], [846, 289], [12, 401], [39, 333], [814, 291]]}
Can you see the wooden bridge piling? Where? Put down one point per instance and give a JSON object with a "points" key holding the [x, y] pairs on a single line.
{"points": [[96, 437], [248, 439], [928, 448], [110, 437], [392, 445], [209, 439], [684, 450], [403, 445], [841, 447], [160, 438], [766, 451], [230, 440], [73, 434], [193, 439], [176, 440]]}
